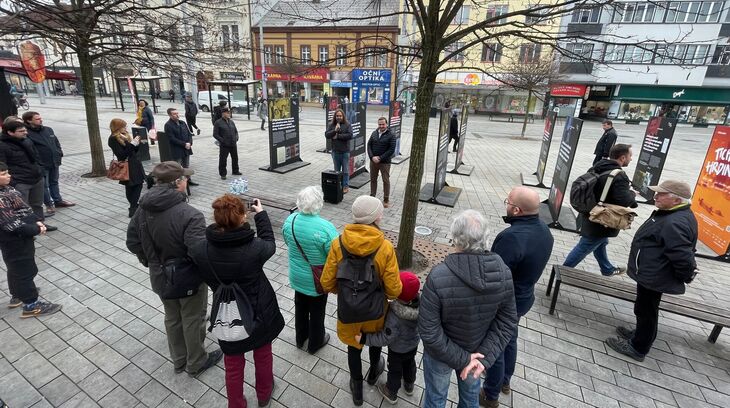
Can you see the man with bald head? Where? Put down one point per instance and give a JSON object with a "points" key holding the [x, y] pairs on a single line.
{"points": [[525, 247]]}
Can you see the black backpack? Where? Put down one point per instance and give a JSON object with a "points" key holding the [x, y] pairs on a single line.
{"points": [[360, 294], [582, 191]]}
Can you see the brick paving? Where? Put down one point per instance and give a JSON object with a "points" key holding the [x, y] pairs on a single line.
{"points": [[107, 347]]}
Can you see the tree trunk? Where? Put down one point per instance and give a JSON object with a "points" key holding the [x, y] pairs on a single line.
{"points": [[98, 166], [527, 112]]}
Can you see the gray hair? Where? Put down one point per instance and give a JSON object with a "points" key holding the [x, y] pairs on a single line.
{"points": [[681, 199], [310, 200], [469, 231]]}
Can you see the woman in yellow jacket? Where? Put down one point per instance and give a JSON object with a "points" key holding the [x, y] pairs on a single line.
{"points": [[361, 239]]}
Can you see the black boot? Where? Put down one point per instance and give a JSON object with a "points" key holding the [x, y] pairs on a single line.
{"points": [[192, 183], [132, 210], [356, 390], [374, 372]]}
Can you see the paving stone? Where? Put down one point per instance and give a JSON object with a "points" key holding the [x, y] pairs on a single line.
{"points": [[80, 400], [663, 380], [110, 334], [152, 394], [128, 346], [84, 341], [190, 389], [575, 377], [598, 400], [311, 384], [118, 398], [653, 391], [17, 392], [296, 398], [714, 397], [25, 327], [73, 364], [545, 381], [97, 385], [59, 390], [525, 387], [523, 401], [685, 401], [622, 394], [687, 375], [325, 370], [557, 399], [131, 378], [36, 369], [148, 360], [47, 343], [13, 346], [106, 358], [212, 399]]}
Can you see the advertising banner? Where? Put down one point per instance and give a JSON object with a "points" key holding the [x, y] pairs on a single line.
{"points": [[442, 154], [33, 60], [711, 199], [283, 132], [568, 144], [547, 138], [395, 116], [653, 154]]}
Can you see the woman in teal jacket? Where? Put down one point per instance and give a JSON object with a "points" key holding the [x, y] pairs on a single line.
{"points": [[314, 235]]}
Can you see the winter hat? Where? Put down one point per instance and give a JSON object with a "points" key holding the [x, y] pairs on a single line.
{"points": [[366, 209], [411, 285]]}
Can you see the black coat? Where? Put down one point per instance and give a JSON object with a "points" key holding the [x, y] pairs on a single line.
{"points": [[47, 145], [239, 256], [178, 134], [453, 127], [383, 146], [191, 109], [606, 142], [22, 159], [225, 132], [620, 194], [662, 254], [148, 118], [128, 152], [342, 143]]}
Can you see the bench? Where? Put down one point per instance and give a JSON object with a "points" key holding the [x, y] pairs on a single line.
{"points": [[610, 286], [268, 202], [511, 117]]}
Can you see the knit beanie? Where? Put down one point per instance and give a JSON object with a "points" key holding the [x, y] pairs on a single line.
{"points": [[411, 285], [366, 209]]}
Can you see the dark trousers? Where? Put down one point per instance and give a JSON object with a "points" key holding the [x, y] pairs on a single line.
{"points": [[384, 170], [309, 320], [133, 193], [597, 159], [646, 310], [33, 196], [190, 120], [401, 366], [19, 257], [355, 363], [223, 159], [263, 122], [456, 141]]}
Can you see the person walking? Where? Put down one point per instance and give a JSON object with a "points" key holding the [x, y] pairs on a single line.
{"points": [[325, 100], [171, 94], [162, 234], [145, 118], [605, 142], [125, 147], [381, 148], [191, 113], [181, 140], [362, 239], [233, 253], [454, 130], [225, 132], [263, 112], [339, 132], [308, 237], [661, 260]]}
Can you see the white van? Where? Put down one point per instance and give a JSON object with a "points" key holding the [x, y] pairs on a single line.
{"points": [[205, 104]]}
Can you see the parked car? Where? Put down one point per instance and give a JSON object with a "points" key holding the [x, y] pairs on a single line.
{"points": [[205, 103]]}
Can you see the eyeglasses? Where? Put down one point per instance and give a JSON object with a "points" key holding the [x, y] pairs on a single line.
{"points": [[506, 202]]}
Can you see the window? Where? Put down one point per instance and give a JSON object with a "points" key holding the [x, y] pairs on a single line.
{"points": [[459, 56], [491, 52], [267, 54], [579, 51], [710, 12], [721, 55], [635, 12], [198, 37], [639, 54], [229, 36], [586, 15], [700, 55], [530, 53], [306, 54], [463, 16], [341, 55], [624, 13], [235, 39], [683, 12], [497, 10], [324, 54], [537, 17], [279, 54], [375, 57], [614, 53]]}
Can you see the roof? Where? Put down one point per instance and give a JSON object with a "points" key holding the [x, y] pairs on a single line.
{"points": [[332, 13]]}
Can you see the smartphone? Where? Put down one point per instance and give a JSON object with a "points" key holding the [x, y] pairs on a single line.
{"points": [[250, 204]]}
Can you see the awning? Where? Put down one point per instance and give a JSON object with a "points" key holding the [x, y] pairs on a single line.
{"points": [[61, 76]]}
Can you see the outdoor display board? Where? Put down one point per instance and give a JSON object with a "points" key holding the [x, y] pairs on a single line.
{"points": [[438, 192], [395, 117], [654, 148], [284, 136], [333, 103], [711, 200], [547, 138], [143, 152], [356, 114], [459, 162], [566, 154]]}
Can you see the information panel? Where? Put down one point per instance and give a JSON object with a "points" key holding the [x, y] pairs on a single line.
{"points": [[284, 135], [654, 148], [356, 114], [442, 154], [547, 138], [568, 144]]}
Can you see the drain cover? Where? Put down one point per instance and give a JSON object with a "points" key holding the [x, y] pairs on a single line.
{"points": [[421, 230]]}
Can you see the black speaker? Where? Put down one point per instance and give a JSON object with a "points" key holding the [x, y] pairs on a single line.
{"points": [[332, 186]]}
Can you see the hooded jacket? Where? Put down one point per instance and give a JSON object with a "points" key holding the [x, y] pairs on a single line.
{"points": [[47, 145], [361, 240], [400, 332], [22, 159], [620, 194], [467, 306]]}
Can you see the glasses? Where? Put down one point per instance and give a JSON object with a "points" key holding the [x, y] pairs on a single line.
{"points": [[506, 202]]}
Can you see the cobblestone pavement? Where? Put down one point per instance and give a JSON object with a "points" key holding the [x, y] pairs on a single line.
{"points": [[107, 347]]}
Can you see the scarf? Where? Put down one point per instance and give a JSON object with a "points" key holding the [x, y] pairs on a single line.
{"points": [[138, 121], [123, 137]]}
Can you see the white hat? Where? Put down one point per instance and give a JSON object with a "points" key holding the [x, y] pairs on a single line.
{"points": [[366, 209]]}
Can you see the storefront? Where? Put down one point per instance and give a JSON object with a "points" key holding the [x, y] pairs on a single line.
{"points": [[483, 94], [599, 102], [688, 105], [310, 84], [568, 98], [340, 83], [371, 86]]}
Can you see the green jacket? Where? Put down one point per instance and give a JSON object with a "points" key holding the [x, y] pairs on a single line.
{"points": [[314, 235]]}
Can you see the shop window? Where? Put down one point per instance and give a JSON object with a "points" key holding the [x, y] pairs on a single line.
{"points": [[451, 49], [586, 15], [324, 54], [530, 53], [463, 16], [279, 54], [491, 52], [579, 51], [496, 10], [267, 54], [341, 55], [305, 54], [721, 55]]}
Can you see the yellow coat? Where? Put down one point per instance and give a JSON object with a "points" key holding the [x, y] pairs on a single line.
{"points": [[361, 240]]}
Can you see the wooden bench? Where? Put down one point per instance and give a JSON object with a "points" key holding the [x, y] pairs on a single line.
{"points": [[610, 286], [269, 202]]}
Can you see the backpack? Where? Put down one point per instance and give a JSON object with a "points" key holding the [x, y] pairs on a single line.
{"points": [[360, 294], [582, 191]]}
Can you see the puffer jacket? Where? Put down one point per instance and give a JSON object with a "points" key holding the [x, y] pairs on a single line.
{"points": [[467, 306], [400, 332], [382, 146], [620, 194], [662, 254], [164, 216], [22, 159], [361, 240], [342, 143], [47, 145], [315, 234]]}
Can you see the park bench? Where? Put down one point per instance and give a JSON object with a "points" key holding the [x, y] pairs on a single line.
{"points": [[511, 117], [610, 286], [280, 203]]}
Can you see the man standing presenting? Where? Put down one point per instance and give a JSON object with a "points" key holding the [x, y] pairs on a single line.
{"points": [[381, 148], [191, 113], [181, 140], [225, 132], [666, 242], [525, 248], [606, 142], [594, 236]]}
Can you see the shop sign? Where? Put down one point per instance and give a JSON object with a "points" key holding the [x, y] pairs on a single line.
{"points": [[568, 90], [234, 76], [320, 75], [340, 84], [721, 96], [371, 77]]}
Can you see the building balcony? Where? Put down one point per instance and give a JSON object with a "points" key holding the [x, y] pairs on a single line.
{"points": [[580, 29], [576, 67], [718, 71]]}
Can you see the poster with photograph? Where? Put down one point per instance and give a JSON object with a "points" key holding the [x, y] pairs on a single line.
{"points": [[283, 132], [547, 138], [463, 119], [568, 144], [654, 148], [356, 115], [442, 154], [395, 116]]}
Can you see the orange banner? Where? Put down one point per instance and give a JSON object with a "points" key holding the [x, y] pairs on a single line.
{"points": [[33, 61], [711, 200]]}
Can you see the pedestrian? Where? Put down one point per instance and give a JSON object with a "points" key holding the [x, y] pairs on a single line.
{"points": [[308, 237], [363, 238], [49, 153], [454, 130], [181, 140], [191, 113], [381, 148], [666, 242], [594, 236], [339, 132], [18, 226], [325, 100], [263, 113], [145, 117], [217, 110], [171, 94], [525, 247], [125, 147], [162, 234], [232, 252], [400, 335], [605, 142], [467, 314], [18, 152], [225, 132]]}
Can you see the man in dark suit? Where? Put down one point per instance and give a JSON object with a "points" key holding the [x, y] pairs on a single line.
{"points": [[606, 142], [181, 140]]}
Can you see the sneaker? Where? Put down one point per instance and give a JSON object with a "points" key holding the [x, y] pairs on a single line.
{"points": [[237, 173], [408, 388], [213, 358], [484, 402], [64, 203], [615, 272], [622, 346], [506, 389], [385, 392], [14, 302], [625, 333], [39, 308], [223, 177], [373, 374], [345, 190]]}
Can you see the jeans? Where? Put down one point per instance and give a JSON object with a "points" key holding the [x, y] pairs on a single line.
{"points": [[51, 194], [401, 366], [437, 376], [185, 329], [342, 164], [264, 373], [646, 309], [19, 257], [587, 245], [354, 361], [309, 320], [33, 196]]}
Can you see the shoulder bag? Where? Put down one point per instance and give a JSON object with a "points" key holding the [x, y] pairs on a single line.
{"points": [[611, 215], [118, 170], [316, 269]]}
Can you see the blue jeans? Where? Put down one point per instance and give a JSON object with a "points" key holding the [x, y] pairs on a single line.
{"points": [[437, 376], [51, 192], [587, 245], [342, 164]]}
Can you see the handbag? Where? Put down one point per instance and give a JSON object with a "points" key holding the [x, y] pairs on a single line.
{"points": [[118, 170], [181, 275], [316, 269], [611, 215]]}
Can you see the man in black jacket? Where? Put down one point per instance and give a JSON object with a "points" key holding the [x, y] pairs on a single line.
{"points": [[594, 236], [226, 134], [381, 148], [50, 154], [661, 260], [606, 142], [191, 113], [181, 140]]}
